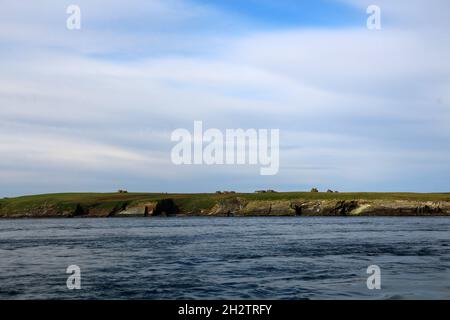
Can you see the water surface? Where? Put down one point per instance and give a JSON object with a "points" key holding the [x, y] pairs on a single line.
{"points": [[225, 258]]}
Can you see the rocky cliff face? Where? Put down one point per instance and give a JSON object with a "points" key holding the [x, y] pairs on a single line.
{"points": [[164, 207], [39, 211], [239, 206], [243, 207]]}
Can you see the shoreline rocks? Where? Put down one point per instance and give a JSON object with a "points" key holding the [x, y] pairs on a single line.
{"points": [[239, 206]]}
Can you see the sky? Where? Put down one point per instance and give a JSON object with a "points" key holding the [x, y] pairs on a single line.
{"points": [[93, 109]]}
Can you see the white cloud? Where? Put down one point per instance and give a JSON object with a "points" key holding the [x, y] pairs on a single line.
{"points": [[354, 106]]}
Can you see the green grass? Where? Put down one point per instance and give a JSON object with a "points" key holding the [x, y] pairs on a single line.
{"points": [[187, 202], [350, 196], [69, 201]]}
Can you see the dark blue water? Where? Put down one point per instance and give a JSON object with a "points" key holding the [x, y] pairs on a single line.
{"points": [[225, 258]]}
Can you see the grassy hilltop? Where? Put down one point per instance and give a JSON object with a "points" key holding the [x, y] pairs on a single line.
{"points": [[106, 204]]}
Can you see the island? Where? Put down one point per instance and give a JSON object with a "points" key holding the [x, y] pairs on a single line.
{"points": [[225, 204]]}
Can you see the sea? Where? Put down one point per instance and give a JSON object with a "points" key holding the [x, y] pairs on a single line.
{"points": [[294, 258]]}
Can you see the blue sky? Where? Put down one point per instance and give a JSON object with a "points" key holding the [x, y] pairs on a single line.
{"points": [[93, 109], [291, 13]]}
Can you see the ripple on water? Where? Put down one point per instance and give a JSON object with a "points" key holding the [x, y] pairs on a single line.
{"points": [[225, 258]]}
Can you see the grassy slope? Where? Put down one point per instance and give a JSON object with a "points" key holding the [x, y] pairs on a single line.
{"points": [[69, 201]]}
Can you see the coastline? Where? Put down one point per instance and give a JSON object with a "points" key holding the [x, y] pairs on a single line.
{"points": [[79, 205]]}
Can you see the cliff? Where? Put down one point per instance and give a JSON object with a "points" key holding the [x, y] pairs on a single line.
{"points": [[273, 204]]}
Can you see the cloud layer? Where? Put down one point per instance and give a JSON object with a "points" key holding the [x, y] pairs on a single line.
{"points": [[92, 110]]}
